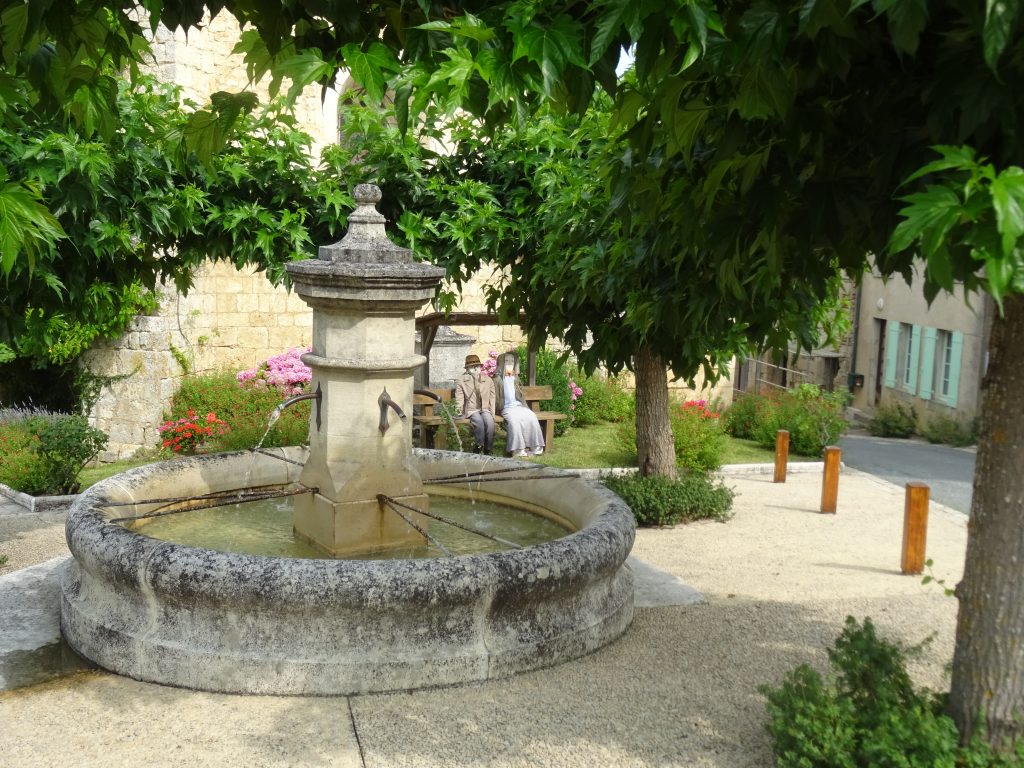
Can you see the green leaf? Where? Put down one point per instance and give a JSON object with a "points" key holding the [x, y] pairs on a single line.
{"points": [[907, 19], [13, 23], [607, 28], [816, 15], [998, 277], [1007, 198], [371, 68], [1000, 16], [26, 225], [960, 158], [764, 92], [931, 208], [553, 47], [940, 268]]}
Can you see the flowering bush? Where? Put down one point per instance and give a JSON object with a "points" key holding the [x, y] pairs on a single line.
{"points": [[285, 372], [186, 434], [698, 435], [245, 408]]}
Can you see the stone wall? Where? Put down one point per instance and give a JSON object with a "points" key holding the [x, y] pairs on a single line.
{"points": [[231, 320]]}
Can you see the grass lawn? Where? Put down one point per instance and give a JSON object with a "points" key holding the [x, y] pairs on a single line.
{"points": [[587, 447], [92, 475], [598, 446]]}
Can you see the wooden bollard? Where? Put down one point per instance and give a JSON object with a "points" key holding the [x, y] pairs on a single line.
{"points": [[915, 528], [830, 483], [781, 455]]}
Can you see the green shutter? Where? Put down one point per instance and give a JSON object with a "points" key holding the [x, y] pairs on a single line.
{"points": [[892, 350], [915, 356], [955, 355], [927, 386]]}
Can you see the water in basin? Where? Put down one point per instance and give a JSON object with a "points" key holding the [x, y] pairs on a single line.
{"points": [[265, 528]]}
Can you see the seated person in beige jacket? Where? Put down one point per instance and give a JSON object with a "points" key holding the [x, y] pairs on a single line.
{"points": [[474, 397]]}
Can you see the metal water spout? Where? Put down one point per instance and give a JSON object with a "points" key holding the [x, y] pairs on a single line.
{"points": [[384, 402], [318, 396]]}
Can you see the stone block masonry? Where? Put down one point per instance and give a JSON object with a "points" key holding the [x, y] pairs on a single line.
{"points": [[202, 332]]}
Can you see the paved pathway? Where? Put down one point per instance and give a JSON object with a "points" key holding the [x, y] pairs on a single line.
{"points": [[679, 689]]}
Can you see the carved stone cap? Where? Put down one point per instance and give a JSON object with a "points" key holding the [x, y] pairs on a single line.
{"points": [[366, 241]]}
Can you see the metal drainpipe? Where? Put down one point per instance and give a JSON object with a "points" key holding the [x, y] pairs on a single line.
{"points": [[856, 332]]}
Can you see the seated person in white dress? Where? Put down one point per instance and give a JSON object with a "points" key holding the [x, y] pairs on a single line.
{"points": [[525, 437]]}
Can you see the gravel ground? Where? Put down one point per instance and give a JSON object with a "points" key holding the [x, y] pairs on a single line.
{"points": [[678, 689]]}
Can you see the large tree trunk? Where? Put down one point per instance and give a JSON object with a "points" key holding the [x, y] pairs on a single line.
{"points": [[655, 447], [988, 665]]}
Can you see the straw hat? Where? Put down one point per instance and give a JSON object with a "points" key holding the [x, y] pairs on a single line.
{"points": [[472, 360]]}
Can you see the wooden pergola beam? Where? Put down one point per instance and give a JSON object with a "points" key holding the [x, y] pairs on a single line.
{"points": [[428, 325]]}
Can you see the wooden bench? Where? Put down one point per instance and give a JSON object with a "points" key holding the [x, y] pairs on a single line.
{"points": [[433, 425]]}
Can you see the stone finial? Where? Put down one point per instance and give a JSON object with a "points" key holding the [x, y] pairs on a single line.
{"points": [[366, 194], [366, 240]]}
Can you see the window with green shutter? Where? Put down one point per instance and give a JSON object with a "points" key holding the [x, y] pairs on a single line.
{"points": [[913, 349], [952, 345], [892, 349], [926, 384]]}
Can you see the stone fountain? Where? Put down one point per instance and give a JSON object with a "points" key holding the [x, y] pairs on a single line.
{"points": [[364, 292], [224, 621]]}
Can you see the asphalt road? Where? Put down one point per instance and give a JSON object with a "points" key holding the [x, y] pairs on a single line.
{"points": [[949, 472]]}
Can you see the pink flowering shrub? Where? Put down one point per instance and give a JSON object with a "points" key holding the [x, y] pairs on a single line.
{"points": [[187, 434], [285, 372]]}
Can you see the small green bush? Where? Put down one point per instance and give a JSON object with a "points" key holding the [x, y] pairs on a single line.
{"points": [[867, 714], [604, 399], [20, 467], [656, 500], [245, 409], [813, 418], [42, 454], [893, 420], [742, 417], [948, 431]]}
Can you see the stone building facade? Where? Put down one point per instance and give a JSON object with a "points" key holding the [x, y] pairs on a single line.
{"points": [[931, 357]]}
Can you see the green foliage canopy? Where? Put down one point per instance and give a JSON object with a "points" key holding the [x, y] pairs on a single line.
{"points": [[106, 219]]}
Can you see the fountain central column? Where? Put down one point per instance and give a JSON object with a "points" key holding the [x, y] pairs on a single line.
{"points": [[364, 291]]}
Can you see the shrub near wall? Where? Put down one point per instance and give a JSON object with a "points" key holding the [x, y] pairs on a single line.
{"points": [[603, 399], [813, 418], [42, 453], [245, 411]]}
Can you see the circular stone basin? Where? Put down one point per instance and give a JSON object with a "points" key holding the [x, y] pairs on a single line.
{"points": [[221, 621]]}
